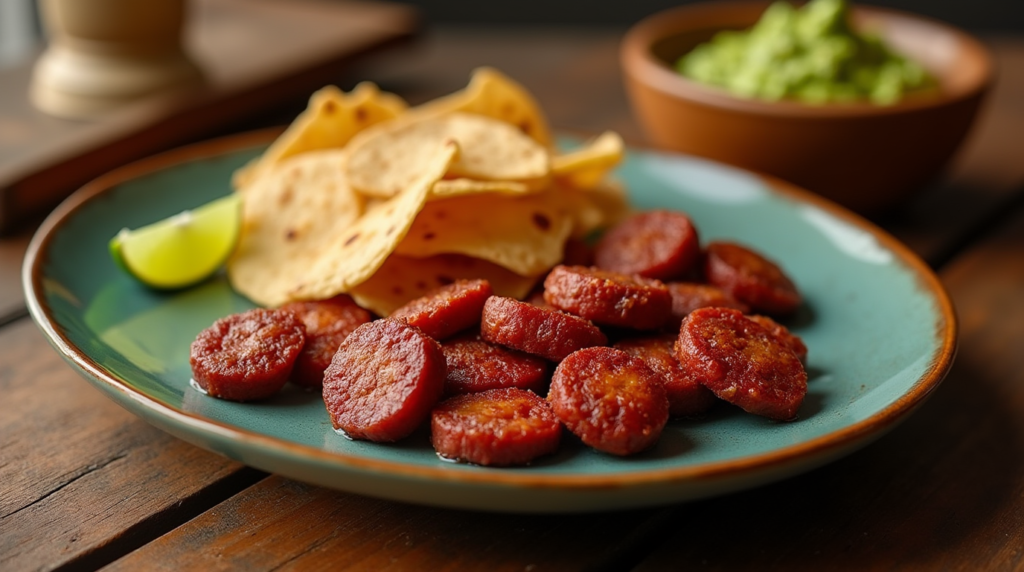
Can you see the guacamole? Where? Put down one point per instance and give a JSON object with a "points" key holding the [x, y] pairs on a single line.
{"points": [[810, 54]]}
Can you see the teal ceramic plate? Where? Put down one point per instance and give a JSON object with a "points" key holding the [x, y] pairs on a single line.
{"points": [[880, 329]]}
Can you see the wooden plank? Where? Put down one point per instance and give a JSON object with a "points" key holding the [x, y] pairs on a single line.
{"points": [[285, 525], [255, 54], [83, 480], [945, 491]]}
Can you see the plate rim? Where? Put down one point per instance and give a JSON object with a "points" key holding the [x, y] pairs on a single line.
{"points": [[825, 446]]}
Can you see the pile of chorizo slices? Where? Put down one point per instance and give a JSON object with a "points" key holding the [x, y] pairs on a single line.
{"points": [[645, 326]]}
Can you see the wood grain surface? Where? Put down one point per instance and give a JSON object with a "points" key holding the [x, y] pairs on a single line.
{"points": [[84, 480], [86, 484], [254, 55], [284, 525]]}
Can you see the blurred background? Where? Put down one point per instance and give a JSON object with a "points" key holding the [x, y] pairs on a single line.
{"points": [[263, 57], [976, 15], [19, 23]]}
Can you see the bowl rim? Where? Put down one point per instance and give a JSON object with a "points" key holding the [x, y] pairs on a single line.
{"points": [[639, 63]]}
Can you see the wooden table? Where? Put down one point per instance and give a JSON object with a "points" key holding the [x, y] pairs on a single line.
{"points": [[87, 485]]}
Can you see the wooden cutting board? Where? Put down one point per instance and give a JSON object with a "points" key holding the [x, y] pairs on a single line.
{"points": [[255, 54]]}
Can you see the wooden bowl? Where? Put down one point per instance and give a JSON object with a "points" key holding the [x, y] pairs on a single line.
{"points": [[870, 158]]}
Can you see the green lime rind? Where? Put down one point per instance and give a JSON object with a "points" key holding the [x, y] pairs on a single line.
{"points": [[182, 250]]}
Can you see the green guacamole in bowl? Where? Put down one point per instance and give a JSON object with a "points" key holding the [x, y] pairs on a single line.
{"points": [[809, 54]]}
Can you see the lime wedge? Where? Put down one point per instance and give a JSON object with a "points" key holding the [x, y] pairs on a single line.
{"points": [[181, 250]]}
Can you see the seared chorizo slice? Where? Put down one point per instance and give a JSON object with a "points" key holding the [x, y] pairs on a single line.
{"points": [[751, 278], [498, 427], [328, 323], [788, 339], [742, 362], [550, 334], [608, 298], [476, 365], [446, 310], [654, 244], [577, 253], [611, 400], [686, 396], [384, 380], [247, 356], [688, 296]]}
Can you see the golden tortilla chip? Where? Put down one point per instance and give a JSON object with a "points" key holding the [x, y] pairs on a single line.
{"points": [[523, 234], [330, 121], [448, 188], [494, 94], [585, 167], [402, 279], [384, 159], [290, 215], [354, 254], [587, 216], [610, 198]]}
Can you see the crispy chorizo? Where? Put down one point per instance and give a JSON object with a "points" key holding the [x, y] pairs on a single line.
{"points": [[476, 365], [608, 298], [611, 400], [328, 323], [688, 296], [750, 278], [247, 356], [498, 427], [742, 362], [788, 339], [654, 244], [551, 334], [384, 380], [686, 396], [446, 310]]}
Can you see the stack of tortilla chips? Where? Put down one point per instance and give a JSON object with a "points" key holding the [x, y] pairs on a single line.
{"points": [[366, 196]]}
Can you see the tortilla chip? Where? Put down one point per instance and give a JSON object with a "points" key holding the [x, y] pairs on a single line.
{"points": [[585, 167], [523, 234], [587, 216], [611, 199], [330, 121], [385, 159], [289, 217], [354, 254], [494, 94], [402, 279], [448, 188]]}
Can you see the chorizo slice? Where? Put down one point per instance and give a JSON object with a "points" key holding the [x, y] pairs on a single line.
{"points": [[247, 356], [686, 396], [476, 365], [788, 339], [446, 310], [328, 323], [688, 296], [742, 362], [550, 334], [536, 298], [750, 278], [577, 253], [498, 427], [611, 400], [383, 381], [608, 298], [654, 244]]}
